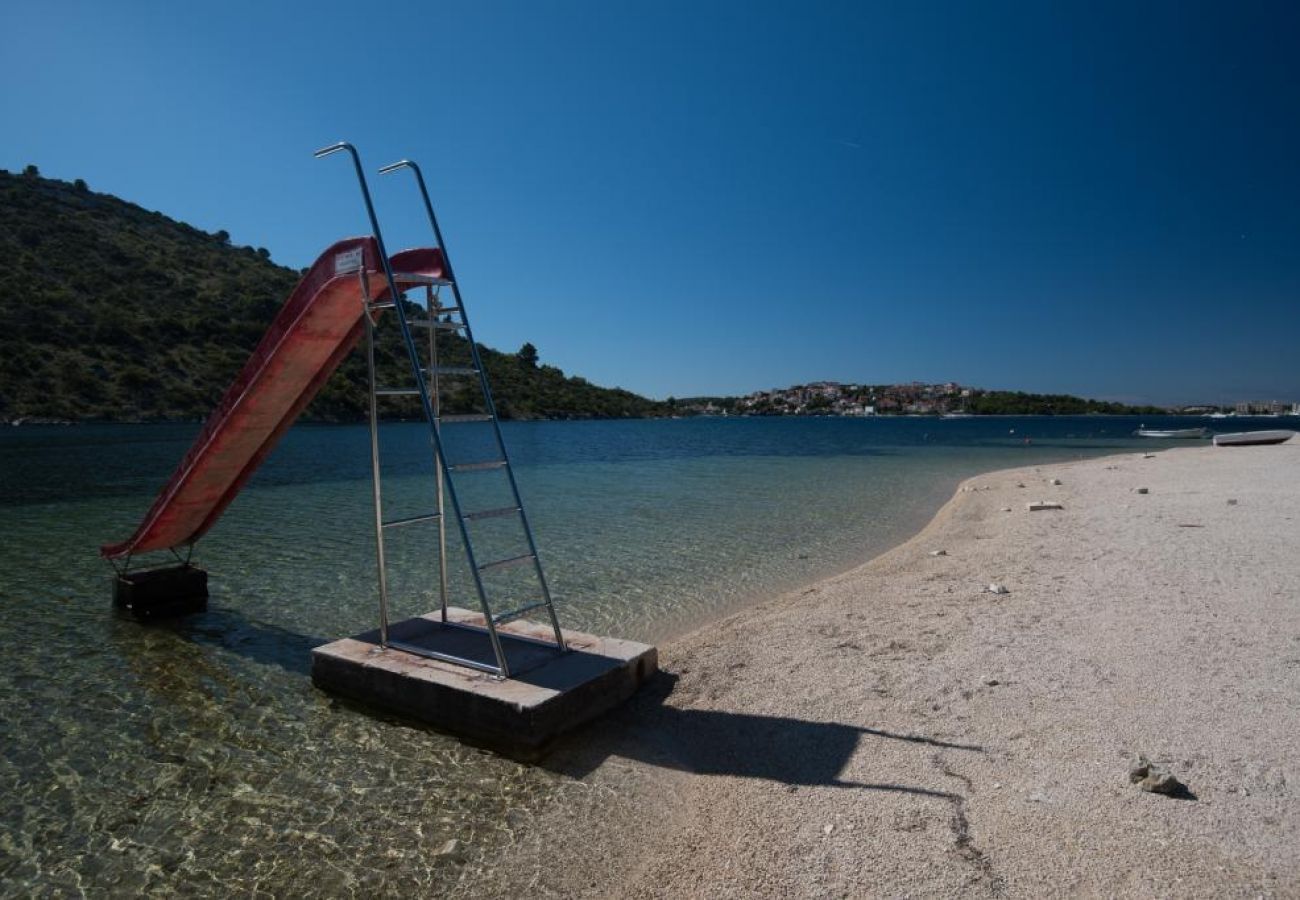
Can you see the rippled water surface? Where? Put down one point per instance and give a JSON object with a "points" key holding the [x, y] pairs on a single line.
{"points": [[197, 755]]}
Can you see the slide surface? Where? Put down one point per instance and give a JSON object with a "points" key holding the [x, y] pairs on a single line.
{"points": [[314, 330]]}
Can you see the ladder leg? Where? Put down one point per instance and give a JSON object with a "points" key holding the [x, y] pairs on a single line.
{"points": [[376, 490], [436, 397]]}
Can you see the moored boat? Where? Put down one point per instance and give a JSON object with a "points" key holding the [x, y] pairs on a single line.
{"points": [[1252, 438], [1171, 432]]}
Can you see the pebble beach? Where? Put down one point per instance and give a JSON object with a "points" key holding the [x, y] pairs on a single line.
{"points": [[963, 715]]}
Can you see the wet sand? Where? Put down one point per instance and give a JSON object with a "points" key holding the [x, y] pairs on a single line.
{"points": [[901, 730]]}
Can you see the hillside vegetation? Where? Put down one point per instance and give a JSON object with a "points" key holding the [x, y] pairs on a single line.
{"points": [[111, 312]]}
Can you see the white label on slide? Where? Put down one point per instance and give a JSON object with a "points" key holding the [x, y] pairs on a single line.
{"points": [[349, 261]]}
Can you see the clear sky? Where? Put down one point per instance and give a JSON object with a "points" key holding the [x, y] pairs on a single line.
{"points": [[703, 197]]}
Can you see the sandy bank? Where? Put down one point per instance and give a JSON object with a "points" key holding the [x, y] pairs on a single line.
{"points": [[898, 730]]}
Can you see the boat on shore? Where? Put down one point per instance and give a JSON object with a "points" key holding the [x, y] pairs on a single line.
{"points": [[1172, 433], [1252, 438]]}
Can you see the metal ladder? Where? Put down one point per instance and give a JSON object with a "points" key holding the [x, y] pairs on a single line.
{"points": [[438, 319]]}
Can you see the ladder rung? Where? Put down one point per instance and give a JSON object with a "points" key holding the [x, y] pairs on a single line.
{"points": [[514, 614], [383, 304], [468, 417], [506, 563], [441, 326], [444, 310], [411, 520], [397, 392], [453, 370], [478, 466], [490, 513]]}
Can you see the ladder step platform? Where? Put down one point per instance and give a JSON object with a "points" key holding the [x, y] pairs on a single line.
{"points": [[506, 563], [453, 370], [440, 326], [478, 466], [412, 520], [491, 513], [547, 694]]}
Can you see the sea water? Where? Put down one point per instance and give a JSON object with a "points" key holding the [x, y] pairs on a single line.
{"points": [[197, 754]]}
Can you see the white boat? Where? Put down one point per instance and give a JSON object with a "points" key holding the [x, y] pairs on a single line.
{"points": [[1251, 438], [1171, 432]]}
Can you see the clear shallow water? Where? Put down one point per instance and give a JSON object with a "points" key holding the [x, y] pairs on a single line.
{"points": [[198, 754]]}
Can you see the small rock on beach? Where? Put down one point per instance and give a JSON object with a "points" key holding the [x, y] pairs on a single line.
{"points": [[1155, 779]]}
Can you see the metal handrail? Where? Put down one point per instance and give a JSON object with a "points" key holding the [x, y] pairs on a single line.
{"points": [[429, 413], [487, 392]]}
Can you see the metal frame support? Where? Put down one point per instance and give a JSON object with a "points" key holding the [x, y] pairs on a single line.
{"points": [[430, 403], [487, 392]]}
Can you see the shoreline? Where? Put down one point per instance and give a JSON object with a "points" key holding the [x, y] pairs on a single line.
{"points": [[38, 421], [895, 728]]}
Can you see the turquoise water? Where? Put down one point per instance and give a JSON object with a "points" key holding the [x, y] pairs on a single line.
{"points": [[198, 755]]}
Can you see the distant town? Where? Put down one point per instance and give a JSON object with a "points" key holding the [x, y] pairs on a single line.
{"points": [[833, 398]]}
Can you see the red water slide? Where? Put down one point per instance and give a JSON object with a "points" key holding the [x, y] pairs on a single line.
{"points": [[314, 330]]}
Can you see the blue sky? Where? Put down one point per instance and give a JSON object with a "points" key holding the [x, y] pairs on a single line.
{"points": [[705, 197]]}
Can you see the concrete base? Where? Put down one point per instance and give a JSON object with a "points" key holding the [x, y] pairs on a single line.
{"points": [[548, 692], [162, 593]]}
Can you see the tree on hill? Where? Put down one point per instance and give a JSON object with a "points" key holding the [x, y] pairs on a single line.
{"points": [[109, 311], [528, 355]]}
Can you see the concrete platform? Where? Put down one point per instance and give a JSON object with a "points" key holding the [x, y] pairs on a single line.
{"points": [[548, 692]]}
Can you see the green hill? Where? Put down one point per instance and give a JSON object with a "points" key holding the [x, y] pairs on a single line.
{"points": [[112, 312]]}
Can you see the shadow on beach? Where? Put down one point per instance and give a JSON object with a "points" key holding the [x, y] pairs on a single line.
{"points": [[647, 728], [712, 742]]}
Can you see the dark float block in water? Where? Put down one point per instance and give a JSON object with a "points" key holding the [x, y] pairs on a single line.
{"points": [[162, 593]]}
